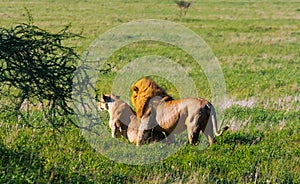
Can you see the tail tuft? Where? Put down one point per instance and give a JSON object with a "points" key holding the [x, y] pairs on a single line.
{"points": [[225, 128]]}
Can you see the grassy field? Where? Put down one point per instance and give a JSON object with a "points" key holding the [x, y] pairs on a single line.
{"points": [[257, 44]]}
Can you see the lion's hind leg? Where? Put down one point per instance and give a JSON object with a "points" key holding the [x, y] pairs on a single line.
{"points": [[193, 133], [209, 132]]}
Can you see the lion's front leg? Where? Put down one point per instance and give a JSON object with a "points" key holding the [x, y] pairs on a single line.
{"points": [[144, 132], [113, 127]]}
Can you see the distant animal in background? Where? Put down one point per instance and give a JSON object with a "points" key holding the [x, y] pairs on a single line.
{"points": [[183, 6]]}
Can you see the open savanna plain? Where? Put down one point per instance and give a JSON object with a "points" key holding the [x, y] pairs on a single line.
{"points": [[257, 44]]}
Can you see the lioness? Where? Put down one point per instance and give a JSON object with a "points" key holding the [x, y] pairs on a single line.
{"points": [[123, 120], [173, 116]]}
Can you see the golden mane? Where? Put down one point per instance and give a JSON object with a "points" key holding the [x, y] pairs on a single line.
{"points": [[142, 91]]}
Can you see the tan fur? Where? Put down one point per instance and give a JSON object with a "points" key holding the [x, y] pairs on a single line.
{"points": [[172, 116], [123, 120]]}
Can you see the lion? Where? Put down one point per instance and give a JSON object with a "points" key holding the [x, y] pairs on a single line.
{"points": [[123, 120], [172, 116]]}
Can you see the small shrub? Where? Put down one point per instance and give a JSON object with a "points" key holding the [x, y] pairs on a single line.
{"points": [[36, 69]]}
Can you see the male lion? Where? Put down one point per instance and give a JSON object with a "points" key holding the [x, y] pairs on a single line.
{"points": [[172, 116], [123, 121]]}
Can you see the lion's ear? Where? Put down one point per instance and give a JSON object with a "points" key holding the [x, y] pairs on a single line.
{"points": [[105, 98], [135, 89]]}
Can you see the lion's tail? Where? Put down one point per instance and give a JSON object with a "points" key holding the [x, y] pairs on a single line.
{"points": [[214, 122]]}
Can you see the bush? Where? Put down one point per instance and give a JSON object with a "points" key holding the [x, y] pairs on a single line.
{"points": [[36, 71]]}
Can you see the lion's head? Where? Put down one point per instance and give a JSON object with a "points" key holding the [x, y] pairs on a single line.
{"points": [[142, 91]]}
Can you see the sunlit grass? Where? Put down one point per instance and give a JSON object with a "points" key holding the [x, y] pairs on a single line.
{"points": [[257, 44]]}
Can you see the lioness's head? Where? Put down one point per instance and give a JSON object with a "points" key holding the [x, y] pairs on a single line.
{"points": [[106, 100], [142, 91]]}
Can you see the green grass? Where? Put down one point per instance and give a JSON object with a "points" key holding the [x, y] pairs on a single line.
{"points": [[257, 44]]}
